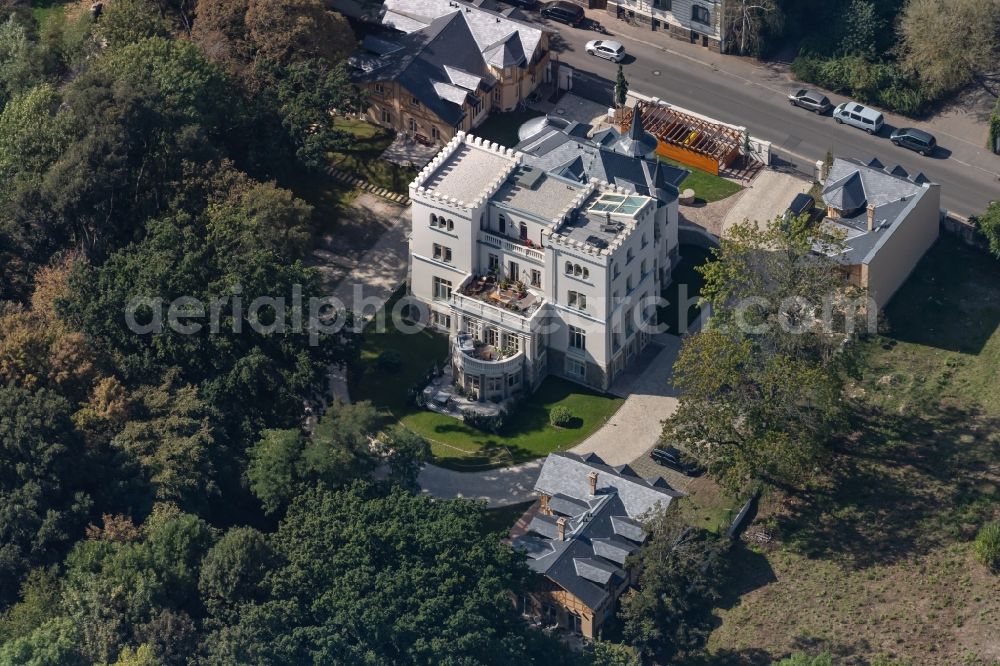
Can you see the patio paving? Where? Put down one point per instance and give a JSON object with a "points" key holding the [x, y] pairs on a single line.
{"points": [[408, 152], [765, 198]]}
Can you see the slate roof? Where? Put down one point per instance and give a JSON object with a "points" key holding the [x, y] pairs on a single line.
{"points": [[601, 530], [852, 186], [562, 147], [440, 65], [440, 51], [490, 29]]}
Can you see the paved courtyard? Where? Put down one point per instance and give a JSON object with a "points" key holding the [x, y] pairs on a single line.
{"points": [[765, 198]]}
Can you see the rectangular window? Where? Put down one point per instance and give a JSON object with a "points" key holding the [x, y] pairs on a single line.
{"points": [[386, 117], [502, 223], [413, 125], [577, 338], [642, 267], [511, 342], [441, 320], [536, 278], [435, 134], [494, 384], [492, 337], [577, 300], [442, 289], [494, 263], [575, 368], [442, 253], [379, 89], [628, 285], [513, 272], [514, 379], [414, 101]]}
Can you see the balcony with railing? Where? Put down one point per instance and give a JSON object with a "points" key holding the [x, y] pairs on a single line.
{"points": [[479, 358], [522, 248], [510, 304]]}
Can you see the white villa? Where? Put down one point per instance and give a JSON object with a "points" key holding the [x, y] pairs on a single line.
{"points": [[535, 271]]}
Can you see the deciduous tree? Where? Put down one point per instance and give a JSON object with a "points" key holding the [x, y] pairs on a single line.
{"points": [[949, 44]]}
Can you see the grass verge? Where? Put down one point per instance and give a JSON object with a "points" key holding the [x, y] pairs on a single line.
{"points": [[707, 187], [878, 560], [363, 157]]}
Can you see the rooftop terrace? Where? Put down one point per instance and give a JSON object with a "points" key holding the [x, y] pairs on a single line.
{"points": [[537, 193], [468, 171], [597, 226]]}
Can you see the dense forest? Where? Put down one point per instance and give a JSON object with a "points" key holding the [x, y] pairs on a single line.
{"points": [[161, 500], [903, 55]]}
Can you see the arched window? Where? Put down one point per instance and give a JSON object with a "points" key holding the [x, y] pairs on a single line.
{"points": [[586, 273], [577, 270], [434, 220], [451, 224], [701, 14], [569, 268]]}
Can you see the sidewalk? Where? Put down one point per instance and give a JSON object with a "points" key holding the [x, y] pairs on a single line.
{"points": [[963, 120]]}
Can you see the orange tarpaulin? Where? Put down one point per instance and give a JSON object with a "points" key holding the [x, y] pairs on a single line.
{"points": [[688, 139]]}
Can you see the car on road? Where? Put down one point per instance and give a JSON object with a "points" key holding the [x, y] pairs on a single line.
{"points": [[674, 459], [860, 116], [810, 100], [605, 48], [914, 139], [563, 11]]}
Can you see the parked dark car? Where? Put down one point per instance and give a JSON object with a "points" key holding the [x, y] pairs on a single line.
{"points": [[674, 459], [523, 4], [914, 139], [802, 204], [810, 99], [564, 12]]}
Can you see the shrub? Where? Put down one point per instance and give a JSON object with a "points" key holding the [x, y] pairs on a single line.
{"points": [[485, 422], [390, 361], [987, 546], [560, 416]]}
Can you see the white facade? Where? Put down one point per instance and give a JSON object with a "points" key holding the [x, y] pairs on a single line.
{"points": [[534, 274]]}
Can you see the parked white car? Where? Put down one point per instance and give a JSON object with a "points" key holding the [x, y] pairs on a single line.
{"points": [[604, 48]]}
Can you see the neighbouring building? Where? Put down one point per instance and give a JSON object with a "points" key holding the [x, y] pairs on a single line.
{"points": [[537, 264], [588, 523], [442, 66], [696, 21], [888, 218]]}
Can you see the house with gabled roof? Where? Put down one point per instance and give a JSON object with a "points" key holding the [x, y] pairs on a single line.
{"points": [[442, 66], [888, 219], [586, 525]]}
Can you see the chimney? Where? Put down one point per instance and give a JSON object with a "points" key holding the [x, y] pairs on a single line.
{"points": [[871, 217], [592, 478], [561, 528], [543, 506]]}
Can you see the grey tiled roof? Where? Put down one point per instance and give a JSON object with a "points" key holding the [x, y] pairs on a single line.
{"points": [[601, 529], [562, 147], [489, 27], [852, 186], [567, 474]]}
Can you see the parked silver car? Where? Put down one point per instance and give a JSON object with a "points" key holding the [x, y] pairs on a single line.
{"points": [[605, 48], [809, 99]]}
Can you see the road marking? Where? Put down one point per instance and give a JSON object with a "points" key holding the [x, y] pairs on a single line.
{"points": [[779, 91]]}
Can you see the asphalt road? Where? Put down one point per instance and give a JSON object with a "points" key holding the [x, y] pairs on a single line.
{"points": [[968, 174]]}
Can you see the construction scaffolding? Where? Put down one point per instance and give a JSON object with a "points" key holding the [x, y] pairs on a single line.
{"points": [[687, 139]]}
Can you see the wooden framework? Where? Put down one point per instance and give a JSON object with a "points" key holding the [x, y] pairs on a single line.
{"points": [[687, 139]]}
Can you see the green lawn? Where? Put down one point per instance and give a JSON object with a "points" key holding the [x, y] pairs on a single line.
{"points": [[707, 187], [876, 560], [686, 288], [527, 434], [502, 127], [362, 158]]}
